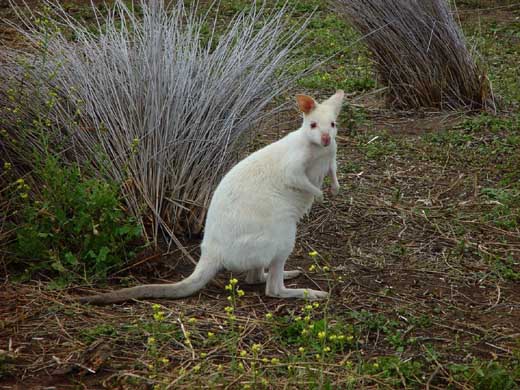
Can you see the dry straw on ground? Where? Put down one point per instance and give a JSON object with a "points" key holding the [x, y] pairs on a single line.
{"points": [[420, 53]]}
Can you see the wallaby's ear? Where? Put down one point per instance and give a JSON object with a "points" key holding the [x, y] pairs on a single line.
{"points": [[306, 103], [335, 101]]}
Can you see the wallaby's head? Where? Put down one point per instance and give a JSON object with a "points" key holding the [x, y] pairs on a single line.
{"points": [[319, 119]]}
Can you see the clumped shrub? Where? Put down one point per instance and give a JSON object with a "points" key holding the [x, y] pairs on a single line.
{"points": [[154, 98], [79, 229], [420, 53]]}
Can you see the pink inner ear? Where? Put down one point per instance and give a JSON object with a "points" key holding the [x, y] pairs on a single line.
{"points": [[306, 103]]}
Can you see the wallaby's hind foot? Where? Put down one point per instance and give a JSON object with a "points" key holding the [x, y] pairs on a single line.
{"points": [[275, 287], [288, 275], [258, 276], [302, 293]]}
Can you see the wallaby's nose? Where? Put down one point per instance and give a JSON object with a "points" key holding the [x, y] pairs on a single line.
{"points": [[325, 139]]}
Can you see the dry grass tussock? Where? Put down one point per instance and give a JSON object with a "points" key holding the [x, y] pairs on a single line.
{"points": [[153, 98], [420, 53]]}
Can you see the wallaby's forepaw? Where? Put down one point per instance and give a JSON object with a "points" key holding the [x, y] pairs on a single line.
{"points": [[334, 189], [319, 197]]}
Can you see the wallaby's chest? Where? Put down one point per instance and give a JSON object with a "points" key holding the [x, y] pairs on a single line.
{"points": [[318, 167]]}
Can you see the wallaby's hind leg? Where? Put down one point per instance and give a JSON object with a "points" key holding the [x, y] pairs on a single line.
{"points": [[258, 275], [275, 287]]}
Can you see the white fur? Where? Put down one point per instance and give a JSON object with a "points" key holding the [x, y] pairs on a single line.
{"points": [[252, 217], [251, 221]]}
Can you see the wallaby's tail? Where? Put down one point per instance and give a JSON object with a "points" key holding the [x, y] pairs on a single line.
{"points": [[205, 270]]}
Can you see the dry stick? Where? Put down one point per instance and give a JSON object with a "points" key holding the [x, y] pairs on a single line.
{"points": [[497, 300]]}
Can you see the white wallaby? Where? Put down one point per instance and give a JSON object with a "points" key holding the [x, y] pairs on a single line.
{"points": [[252, 217]]}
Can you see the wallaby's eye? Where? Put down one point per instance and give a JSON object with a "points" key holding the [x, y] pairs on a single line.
{"points": [[333, 124], [314, 125]]}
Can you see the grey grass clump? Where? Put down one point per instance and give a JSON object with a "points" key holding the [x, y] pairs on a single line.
{"points": [[420, 53], [154, 99]]}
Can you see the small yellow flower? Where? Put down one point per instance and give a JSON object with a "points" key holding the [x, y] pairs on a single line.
{"points": [[203, 354], [326, 349], [269, 316], [312, 268], [301, 350], [196, 368], [350, 338], [317, 356], [187, 334], [220, 367], [308, 308], [243, 353], [316, 305], [151, 340], [256, 348], [326, 269], [265, 360], [7, 166], [232, 317], [192, 320], [241, 366], [376, 365], [228, 287], [211, 334], [165, 360], [230, 298], [233, 281], [20, 181], [304, 332], [321, 335], [275, 361], [313, 254], [307, 318], [241, 293], [333, 337], [24, 195], [158, 316], [228, 309]]}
